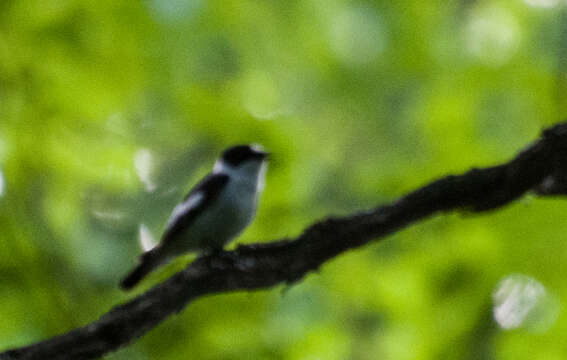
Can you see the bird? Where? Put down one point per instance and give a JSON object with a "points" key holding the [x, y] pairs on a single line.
{"points": [[213, 213]]}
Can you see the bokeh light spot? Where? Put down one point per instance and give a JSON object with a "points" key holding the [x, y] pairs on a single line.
{"points": [[521, 301], [109, 215], [357, 36], [542, 3], [143, 164], [260, 95], [493, 36], [2, 183]]}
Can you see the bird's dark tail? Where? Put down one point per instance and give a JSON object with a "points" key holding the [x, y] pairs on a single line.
{"points": [[149, 261]]}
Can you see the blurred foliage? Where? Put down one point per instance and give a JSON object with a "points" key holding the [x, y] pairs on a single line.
{"points": [[111, 110]]}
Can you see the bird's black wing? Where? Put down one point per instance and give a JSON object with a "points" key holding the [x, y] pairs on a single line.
{"points": [[197, 200]]}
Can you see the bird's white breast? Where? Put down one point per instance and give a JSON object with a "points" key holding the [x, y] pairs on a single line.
{"points": [[229, 214]]}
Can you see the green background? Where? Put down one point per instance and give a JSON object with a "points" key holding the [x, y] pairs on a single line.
{"points": [[111, 110]]}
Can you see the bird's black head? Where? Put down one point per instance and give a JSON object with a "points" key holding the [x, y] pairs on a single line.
{"points": [[240, 154]]}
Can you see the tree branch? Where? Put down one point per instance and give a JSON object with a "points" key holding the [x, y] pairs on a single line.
{"points": [[541, 166]]}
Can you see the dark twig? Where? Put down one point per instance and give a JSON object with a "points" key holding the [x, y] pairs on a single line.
{"points": [[260, 266]]}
